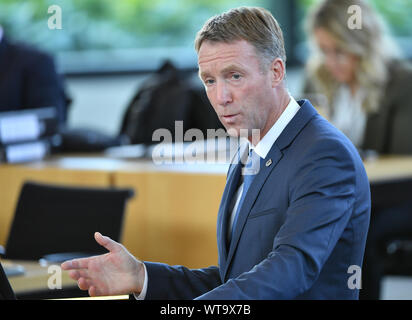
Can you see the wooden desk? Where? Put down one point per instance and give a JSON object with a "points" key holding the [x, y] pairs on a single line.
{"points": [[389, 168], [173, 217], [36, 278]]}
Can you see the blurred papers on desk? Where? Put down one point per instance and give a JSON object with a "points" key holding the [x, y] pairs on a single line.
{"points": [[220, 150], [12, 269], [27, 135]]}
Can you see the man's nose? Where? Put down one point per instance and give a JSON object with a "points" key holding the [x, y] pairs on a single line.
{"points": [[223, 94]]}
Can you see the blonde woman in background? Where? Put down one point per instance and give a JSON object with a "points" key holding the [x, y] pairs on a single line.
{"points": [[357, 79]]}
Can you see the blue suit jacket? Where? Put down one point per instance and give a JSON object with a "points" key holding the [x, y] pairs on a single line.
{"points": [[303, 224]]}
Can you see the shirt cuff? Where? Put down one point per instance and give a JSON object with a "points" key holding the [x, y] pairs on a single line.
{"points": [[142, 294]]}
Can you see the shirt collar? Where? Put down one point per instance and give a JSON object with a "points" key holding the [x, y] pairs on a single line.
{"points": [[265, 144]]}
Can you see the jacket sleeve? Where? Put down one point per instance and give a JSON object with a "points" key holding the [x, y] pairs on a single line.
{"points": [[178, 282]]}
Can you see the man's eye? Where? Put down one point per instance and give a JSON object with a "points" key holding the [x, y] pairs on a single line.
{"points": [[236, 76], [209, 82]]}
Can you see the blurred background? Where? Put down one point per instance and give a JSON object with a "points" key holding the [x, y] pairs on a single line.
{"points": [[106, 48]]}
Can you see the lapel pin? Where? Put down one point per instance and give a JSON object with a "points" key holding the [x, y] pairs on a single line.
{"points": [[268, 163]]}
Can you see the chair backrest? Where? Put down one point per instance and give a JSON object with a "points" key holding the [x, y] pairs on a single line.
{"points": [[53, 219], [6, 291]]}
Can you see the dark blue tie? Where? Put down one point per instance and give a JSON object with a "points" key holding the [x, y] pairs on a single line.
{"points": [[248, 173]]}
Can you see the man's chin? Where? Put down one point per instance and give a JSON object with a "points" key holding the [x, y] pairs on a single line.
{"points": [[249, 134], [237, 132]]}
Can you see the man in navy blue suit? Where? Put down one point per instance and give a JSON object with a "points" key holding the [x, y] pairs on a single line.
{"points": [[295, 211], [28, 79]]}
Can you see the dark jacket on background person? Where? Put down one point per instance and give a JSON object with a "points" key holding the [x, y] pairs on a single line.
{"points": [[28, 79]]}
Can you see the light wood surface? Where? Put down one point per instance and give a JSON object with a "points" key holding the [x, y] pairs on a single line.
{"points": [[36, 277], [173, 218], [389, 168]]}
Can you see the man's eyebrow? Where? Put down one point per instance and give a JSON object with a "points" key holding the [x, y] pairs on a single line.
{"points": [[203, 74], [229, 68]]}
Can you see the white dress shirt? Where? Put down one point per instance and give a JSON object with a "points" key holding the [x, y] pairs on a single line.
{"points": [[261, 149], [349, 116]]}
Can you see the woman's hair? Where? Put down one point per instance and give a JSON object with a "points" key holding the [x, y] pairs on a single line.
{"points": [[370, 44], [255, 25]]}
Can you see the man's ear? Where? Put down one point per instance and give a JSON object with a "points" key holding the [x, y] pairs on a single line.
{"points": [[277, 71]]}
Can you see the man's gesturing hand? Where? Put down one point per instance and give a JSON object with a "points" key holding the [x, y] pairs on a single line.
{"points": [[116, 272]]}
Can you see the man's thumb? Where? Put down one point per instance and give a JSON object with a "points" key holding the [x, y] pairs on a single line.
{"points": [[106, 242]]}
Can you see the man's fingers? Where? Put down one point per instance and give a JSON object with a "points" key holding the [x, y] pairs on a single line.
{"points": [[83, 263], [106, 242], [83, 281], [77, 274], [84, 284], [75, 264], [93, 292]]}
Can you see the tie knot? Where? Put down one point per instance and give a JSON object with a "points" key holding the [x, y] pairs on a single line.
{"points": [[251, 167]]}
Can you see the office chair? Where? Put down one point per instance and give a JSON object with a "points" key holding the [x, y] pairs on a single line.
{"points": [[393, 199], [389, 244], [52, 219]]}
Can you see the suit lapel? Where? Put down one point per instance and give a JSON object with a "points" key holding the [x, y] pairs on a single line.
{"points": [[230, 189], [275, 155]]}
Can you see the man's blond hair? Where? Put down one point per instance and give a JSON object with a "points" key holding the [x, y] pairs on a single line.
{"points": [[255, 25]]}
